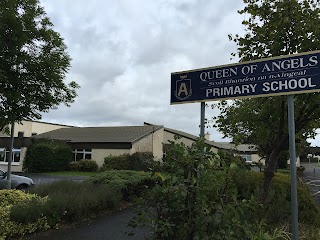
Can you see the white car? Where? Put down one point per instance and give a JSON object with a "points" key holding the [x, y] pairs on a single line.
{"points": [[17, 182]]}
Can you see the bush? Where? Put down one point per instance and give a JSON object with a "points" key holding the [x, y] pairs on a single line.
{"points": [[129, 183], [140, 161], [12, 222], [47, 156], [278, 208], [200, 199], [197, 198], [84, 165], [121, 162]]}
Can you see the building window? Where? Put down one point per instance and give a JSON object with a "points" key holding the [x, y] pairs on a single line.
{"points": [[4, 154], [82, 154], [20, 134], [246, 157]]}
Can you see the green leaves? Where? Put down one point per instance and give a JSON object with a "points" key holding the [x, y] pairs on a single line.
{"points": [[273, 28], [33, 62], [189, 205]]}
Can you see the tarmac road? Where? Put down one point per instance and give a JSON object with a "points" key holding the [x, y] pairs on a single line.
{"points": [[111, 227], [311, 177], [41, 178]]}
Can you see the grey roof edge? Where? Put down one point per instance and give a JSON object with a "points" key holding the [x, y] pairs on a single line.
{"points": [[240, 147], [57, 124], [157, 127]]}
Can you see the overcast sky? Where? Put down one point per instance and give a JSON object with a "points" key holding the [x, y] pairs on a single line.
{"points": [[123, 53]]}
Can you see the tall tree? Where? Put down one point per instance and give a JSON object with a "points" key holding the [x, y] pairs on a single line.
{"points": [[273, 28], [33, 63]]}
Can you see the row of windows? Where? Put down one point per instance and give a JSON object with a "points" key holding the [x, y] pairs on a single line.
{"points": [[78, 154], [4, 154]]}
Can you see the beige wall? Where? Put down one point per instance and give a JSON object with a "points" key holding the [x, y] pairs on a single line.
{"points": [[188, 142], [143, 145], [170, 137], [98, 155], [14, 167], [151, 143], [158, 144], [256, 158], [29, 127], [45, 127]]}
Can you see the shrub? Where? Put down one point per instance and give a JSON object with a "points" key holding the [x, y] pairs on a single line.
{"points": [[140, 161], [28, 211], [121, 162], [84, 165], [128, 182], [47, 156], [277, 210], [12, 223], [198, 199]]}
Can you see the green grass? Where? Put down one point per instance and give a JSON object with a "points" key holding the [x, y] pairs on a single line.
{"points": [[71, 173], [284, 171]]}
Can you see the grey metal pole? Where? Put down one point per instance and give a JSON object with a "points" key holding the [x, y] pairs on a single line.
{"points": [[202, 118], [10, 156], [293, 169]]}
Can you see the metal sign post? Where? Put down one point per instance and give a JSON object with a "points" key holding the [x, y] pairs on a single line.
{"points": [[202, 118], [293, 169], [10, 156]]}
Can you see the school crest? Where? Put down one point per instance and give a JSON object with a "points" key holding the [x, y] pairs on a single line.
{"points": [[183, 88]]}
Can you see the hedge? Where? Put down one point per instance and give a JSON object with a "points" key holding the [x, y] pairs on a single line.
{"points": [[140, 161], [47, 156]]}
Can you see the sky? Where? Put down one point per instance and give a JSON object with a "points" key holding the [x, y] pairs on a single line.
{"points": [[124, 51]]}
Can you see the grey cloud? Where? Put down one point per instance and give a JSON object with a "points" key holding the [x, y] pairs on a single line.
{"points": [[124, 51]]}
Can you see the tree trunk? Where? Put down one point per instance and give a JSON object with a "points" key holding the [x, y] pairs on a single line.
{"points": [[270, 168]]}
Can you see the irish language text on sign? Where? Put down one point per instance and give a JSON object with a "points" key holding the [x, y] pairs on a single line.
{"points": [[291, 74]]}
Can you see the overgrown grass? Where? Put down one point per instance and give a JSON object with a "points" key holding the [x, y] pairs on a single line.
{"points": [[72, 201]]}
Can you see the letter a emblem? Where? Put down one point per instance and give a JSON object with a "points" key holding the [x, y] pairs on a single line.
{"points": [[183, 89]]}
